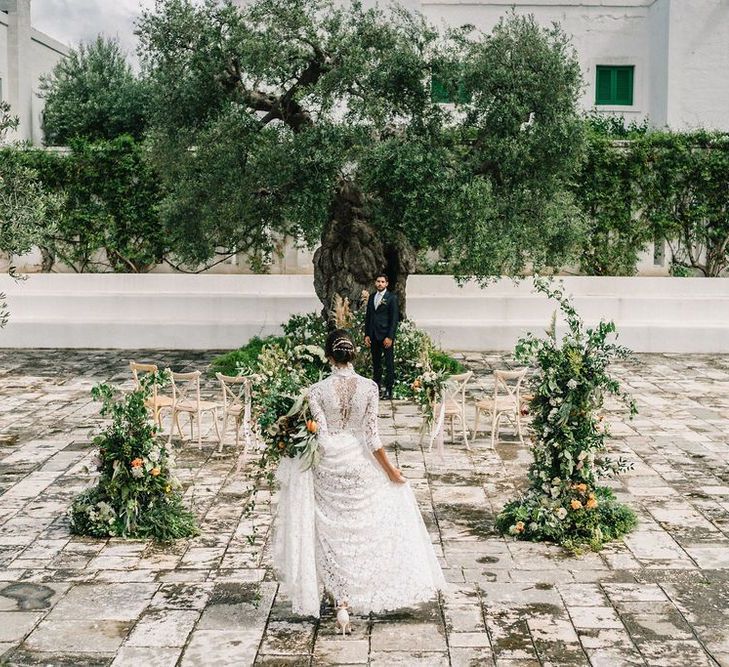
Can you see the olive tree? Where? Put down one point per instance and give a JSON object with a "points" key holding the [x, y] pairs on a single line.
{"points": [[317, 121]]}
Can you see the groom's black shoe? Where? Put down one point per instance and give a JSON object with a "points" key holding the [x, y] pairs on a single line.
{"points": [[387, 396]]}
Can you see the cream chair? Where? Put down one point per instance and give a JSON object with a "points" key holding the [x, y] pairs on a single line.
{"points": [[507, 401], [186, 400], [453, 405], [156, 402], [236, 390]]}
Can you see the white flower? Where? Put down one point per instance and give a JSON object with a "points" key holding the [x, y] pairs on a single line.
{"points": [[561, 513], [154, 454], [572, 384], [554, 491], [581, 455], [138, 472]]}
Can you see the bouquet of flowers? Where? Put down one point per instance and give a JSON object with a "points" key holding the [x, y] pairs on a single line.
{"points": [[295, 433]]}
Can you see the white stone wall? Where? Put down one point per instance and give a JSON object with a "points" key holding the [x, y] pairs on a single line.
{"points": [[223, 312]]}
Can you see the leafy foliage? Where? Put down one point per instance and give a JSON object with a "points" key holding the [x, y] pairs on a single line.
{"points": [[307, 119], [564, 503], [107, 216], [607, 189], [27, 209], [137, 494], [685, 198], [92, 94], [635, 185], [309, 331]]}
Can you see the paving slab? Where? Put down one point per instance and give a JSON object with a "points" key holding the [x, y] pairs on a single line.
{"points": [[661, 597]]}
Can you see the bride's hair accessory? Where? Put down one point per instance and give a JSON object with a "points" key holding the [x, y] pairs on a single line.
{"points": [[340, 346], [343, 344]]}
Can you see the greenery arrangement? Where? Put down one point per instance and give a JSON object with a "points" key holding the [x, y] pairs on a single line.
{"points": [[564, 502], [414, 353], [137, 494]]}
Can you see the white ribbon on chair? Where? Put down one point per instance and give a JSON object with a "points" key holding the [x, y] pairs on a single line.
{"points": [[436, 431]]}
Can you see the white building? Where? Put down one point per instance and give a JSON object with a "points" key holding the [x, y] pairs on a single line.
{"points": [[26, 54], [667, 60]]}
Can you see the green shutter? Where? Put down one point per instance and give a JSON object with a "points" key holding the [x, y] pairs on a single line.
{"points": [[604, 85], [624, 85], [614, 85], [438, 92]]}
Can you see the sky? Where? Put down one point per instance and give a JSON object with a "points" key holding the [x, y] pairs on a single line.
{"points": [[72, 21]]}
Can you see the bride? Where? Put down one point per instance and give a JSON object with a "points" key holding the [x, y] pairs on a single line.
{"points": [[350, 525]]}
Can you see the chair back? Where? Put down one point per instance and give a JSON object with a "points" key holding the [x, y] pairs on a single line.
{"points": [[509, 382], [455, 388], [143, 369], [236, 390], [185, 387]]}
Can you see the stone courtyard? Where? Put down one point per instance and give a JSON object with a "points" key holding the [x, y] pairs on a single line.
{"points": [[660, 598]]}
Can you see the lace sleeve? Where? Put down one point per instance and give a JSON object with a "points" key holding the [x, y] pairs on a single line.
{"points": [[371, 433], [316, 410]]}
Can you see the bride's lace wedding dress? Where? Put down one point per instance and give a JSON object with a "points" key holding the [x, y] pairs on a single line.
{"points": [[343, 527]]}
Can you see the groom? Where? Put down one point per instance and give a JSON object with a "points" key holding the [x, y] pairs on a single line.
{"points": [[380, 326]]}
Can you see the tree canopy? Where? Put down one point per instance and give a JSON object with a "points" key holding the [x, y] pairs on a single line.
{"points": [[92, 94], [317, 121]]}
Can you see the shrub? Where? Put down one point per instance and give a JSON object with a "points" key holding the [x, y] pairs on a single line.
{"points": [[137, 494]]}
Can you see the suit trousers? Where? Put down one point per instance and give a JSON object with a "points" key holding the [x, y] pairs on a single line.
{"points": [[377, 351]]}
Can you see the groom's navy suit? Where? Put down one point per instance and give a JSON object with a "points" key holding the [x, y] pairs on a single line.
{"points": [[381, 323]]}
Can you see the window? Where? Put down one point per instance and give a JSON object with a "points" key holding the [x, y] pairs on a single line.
{"points": [[446, 91], [614, 85]]}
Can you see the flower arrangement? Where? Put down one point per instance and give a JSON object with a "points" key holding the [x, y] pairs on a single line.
{"points": [[311, 331], [137, 494], [428, 387], [564, 502]]}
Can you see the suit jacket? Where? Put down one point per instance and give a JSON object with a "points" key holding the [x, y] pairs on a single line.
{"points": [[381, 322]]}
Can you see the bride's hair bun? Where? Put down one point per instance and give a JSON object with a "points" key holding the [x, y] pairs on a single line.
{"points": [[340, 346]]}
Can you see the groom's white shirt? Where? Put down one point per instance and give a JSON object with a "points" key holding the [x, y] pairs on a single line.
{"points": [[378, 297]]}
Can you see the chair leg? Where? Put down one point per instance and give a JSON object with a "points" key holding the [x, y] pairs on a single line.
{"points": [[494, 426], [518, 426], [172, 426], [475, 423], [217, 430], [465, 434], [179, 428], [223, 430], [199, 429], [238, 423]]}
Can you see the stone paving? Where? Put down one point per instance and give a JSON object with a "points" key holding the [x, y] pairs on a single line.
{"points": [[659, 598]]}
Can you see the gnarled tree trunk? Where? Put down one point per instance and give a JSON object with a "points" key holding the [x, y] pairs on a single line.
{"points": [[352, 253]]}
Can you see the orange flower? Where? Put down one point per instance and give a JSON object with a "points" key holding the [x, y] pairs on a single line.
{"points": [[416, 384], [591, 503], [581, 487], [136, 463], [519, 526], [311, 426], [576, 504], [281, 445], [155, 471]]}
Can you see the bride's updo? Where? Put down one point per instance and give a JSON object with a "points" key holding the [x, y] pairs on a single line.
{"points": [[340, 346]]}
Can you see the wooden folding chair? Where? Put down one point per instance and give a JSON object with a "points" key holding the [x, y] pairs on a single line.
{"points": [[236, 390], [156, 402], [506, 402], [453, 404], [186, 399]]}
